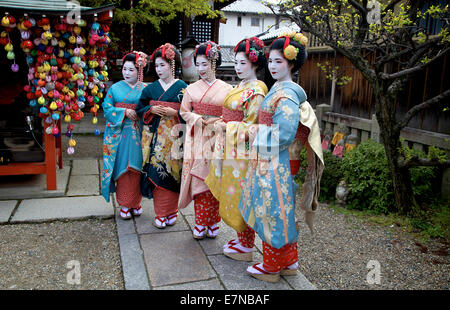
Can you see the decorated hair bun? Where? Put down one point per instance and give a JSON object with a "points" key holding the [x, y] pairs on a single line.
{"points": [[289, 50]]}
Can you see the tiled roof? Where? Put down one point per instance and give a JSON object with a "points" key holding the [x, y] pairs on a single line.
{"points": [[273, 33], [247, 6]]}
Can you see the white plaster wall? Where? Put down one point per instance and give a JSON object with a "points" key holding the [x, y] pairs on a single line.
{"points": [[230, 34]]}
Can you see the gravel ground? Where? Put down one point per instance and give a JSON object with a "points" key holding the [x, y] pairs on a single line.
{"points": [[337, 257], [35, 256]]}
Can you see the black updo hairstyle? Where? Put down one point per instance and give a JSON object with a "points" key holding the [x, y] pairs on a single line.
{"points": [[202, 50], [279, 43], [132, 57], [247, 45], [159, 53]]}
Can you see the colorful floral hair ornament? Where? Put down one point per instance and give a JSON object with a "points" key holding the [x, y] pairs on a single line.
{"points": [[290, 52], [140, 63], [251, 52], [212, 50]]}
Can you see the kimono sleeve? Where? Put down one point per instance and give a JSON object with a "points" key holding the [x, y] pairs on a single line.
{"points": [[115, 116], [186, 113], [271, 140], [143, 107]]}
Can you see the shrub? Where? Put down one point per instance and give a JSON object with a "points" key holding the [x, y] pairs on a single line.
{"points": [[366, 171]]}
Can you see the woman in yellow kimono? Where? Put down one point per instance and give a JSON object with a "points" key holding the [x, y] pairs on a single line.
{"points": [[231, 152], [200, 108]]}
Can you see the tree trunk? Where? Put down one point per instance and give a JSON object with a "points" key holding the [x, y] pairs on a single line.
{"points": [[401, 178]]}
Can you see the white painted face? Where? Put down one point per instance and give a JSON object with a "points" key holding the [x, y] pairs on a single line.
{"points": [[162, 68], [279, 66], [243, 67], [129, 72], [203, 66]]}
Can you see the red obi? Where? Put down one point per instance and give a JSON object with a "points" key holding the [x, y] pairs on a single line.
{"points": [[265, 118], [207, 109], [131, 106], [232, 115], [302, 134], [173, 105]]}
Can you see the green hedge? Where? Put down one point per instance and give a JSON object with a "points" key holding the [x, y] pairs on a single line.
{"points": [[366, 171]]}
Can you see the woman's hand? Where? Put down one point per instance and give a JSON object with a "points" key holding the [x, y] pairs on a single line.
{"points": [[158, 110], [170, 112], [131, 114]]}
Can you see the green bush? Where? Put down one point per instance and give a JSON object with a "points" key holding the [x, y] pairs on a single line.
{"points": [[366, 171]]}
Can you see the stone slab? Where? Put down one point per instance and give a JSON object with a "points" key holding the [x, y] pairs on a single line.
{"points": [[213, 284], [84, 185], [144, 223], [233, 274], [33, 186], [174, 258], [6, 209], [133, 265], [37, 210], [84, 167]]}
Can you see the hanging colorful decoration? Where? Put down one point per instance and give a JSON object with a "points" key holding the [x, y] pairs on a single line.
{"points": [[66, 67]]}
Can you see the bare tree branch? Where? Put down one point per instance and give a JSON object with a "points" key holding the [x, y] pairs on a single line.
{"points": [[416, 161], [412, 70], [424, 105]]}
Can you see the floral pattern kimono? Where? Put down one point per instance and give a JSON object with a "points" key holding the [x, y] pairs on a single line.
{"points": [[231, 152], [122, 136], [161, 148], [268, 199], [199, 100]]}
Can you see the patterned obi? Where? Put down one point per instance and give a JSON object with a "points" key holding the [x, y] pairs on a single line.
{"points": [[131, 106], [173, 105], [265, 118], [302, 134], [232, 115], [207, 109]]}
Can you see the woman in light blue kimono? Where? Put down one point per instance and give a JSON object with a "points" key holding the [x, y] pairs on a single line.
{"points": [[122, 155], [268, 200]]}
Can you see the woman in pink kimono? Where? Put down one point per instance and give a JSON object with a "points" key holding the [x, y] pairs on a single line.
{"points": [[200, 108]]}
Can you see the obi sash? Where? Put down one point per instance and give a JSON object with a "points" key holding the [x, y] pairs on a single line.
{"points": [[302, 134], [232, 115], [207, 109], [173, 105], [131, 106]]}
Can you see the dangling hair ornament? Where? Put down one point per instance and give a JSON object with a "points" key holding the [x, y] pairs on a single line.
{"points": [[140, 63], [168, 51]]}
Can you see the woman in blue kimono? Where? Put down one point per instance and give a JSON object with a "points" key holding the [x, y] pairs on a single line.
{"points": [[159, 108], [122, 155], [286, 123]]}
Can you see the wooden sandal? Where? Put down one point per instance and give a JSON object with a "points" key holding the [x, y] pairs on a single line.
{"points": [[263, 275], [201, 233], [238, 254], [171, 219], [160, 222], [290, 271], [125, 213], [211, 233]]}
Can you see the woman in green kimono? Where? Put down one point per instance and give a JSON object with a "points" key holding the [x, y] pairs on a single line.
{"points": [[158, 108]]}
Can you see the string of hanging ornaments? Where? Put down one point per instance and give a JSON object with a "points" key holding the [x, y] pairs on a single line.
{"points": [[66, 67]]}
